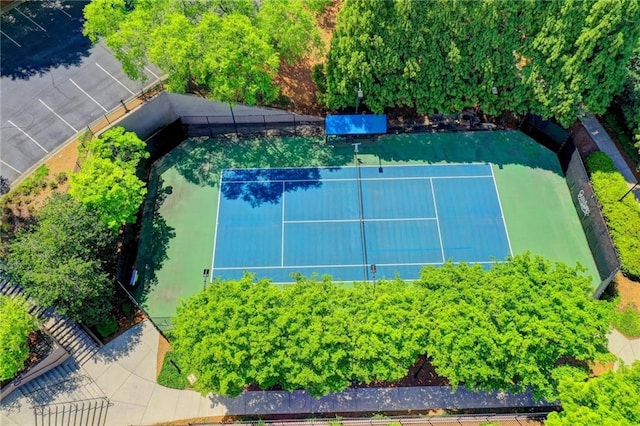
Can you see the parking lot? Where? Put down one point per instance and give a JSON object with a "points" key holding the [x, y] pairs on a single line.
{"points": [[53, 81]]}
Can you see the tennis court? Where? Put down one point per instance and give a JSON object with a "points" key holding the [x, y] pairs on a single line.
{"points": [[341, 220]]}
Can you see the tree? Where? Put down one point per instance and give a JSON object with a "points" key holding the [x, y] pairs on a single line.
{"points": [[228, 50], [107, 182], [610, 399], [522, 324], [62, 261], [15, 327]]}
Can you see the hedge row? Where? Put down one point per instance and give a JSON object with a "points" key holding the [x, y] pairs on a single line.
{"points": [[622, 217]]}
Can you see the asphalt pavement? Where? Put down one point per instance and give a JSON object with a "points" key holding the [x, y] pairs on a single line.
{"points": [[53, 81]]}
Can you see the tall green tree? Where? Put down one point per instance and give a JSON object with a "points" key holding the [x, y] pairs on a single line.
{"points": [[515, 326], [15, 327], [608, 400], [63, 260]]}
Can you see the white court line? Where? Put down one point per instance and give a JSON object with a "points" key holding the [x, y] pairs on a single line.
{"points": [[435, 208], [62, 10], [395, 219], [356, 265], [116, 80], [375, 166], [152, 73], [88, 95], [215, 235], [282, 225], [38, 25], [10, 166], [363, 179], [495, 185], [25, 133], [14, 42], [56, 114]]}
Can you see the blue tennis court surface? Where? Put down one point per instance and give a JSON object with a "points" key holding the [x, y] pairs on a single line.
{"points": [[339, 221]]}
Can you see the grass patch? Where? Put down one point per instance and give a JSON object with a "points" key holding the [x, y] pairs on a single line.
{"points": [[627, 321], [170, 376]]}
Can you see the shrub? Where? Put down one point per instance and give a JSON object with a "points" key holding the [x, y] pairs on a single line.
{"points": [[15, 327], [622, 217], [107, 327], [169, 375], [627, 321]]}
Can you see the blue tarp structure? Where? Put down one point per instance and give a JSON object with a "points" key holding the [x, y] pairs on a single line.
{"points": [[356, 124]]}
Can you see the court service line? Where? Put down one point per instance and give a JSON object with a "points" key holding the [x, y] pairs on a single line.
{"points": [[282, 225], [152, 73], [397, 219], [10, 166], [362, 179], [115, 79], [25, 133], [56, 114], [370, 166], [357, 265], [215, 234], [435, 208], [14, 42], [38, 25], [504, 223], [88, 95]]}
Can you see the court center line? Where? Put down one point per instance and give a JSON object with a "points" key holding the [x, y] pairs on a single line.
{"points": [[88, 95], [504, 223], [435, 208], [14, 42], [362, 179], [56, 114], [10, 166], [215, 235], [282, 225], [115, 79], [152, 73], [357, 265], [38, 25], [395, 219], [25, 133]]}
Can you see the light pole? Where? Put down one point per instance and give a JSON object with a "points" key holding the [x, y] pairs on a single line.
{"points": [[629, 191], [374, 269], [359, 96], [205, 277]]}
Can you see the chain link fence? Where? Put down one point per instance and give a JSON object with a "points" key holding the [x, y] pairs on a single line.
{"points": [[261, 125]]}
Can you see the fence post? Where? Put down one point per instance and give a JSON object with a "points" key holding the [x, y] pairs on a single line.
{"points": [[209, 127], [264, 120], [295, 126], [233, 117]]}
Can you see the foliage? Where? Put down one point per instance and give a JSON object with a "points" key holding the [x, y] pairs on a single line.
{"points": [[622, 217], [169, 375], [621, 134], [107, 182], [62, 260], [107, 327], [550, 58], [229, 50], [629, 99], [627, 321], [510, 327], [34, 183], [15, 327], [611, 399]]}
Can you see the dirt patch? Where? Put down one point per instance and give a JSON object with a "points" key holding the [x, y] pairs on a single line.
{"points": [[586, 146], [628, 291], [163, 348]]}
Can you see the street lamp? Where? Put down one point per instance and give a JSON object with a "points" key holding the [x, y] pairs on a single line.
{"points": [[374, 269], [359, 96], [205, 277]]}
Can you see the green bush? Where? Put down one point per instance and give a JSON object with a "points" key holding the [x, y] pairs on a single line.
{"points": [[34, 183], [107, 327], [627, 321], [622, 217], [15, 327], [169, 375]]}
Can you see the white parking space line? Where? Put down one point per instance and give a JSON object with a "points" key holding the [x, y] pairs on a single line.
{"points": [[54, 113], [37, 25], [116, 80], [25, 133], [11, 167], [152, 73], [14, 42], [62, 10], [88, 95]]}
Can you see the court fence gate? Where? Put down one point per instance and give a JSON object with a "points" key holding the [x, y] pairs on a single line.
{"points": [[595, 228]]}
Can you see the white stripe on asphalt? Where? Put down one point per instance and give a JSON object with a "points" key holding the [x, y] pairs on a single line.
{"points": [[152, 73], [14, 42], [116, 80], [62, 10], [88, 95], [11, 167], [25, 133], [38, 25], [54, 113]]}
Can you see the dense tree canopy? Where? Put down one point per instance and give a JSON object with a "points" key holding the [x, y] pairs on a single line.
{"points": [[609, 400], [230, 50], [62, 260], [550, 58], [15, 326], [507, 328], [107, 182]]}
